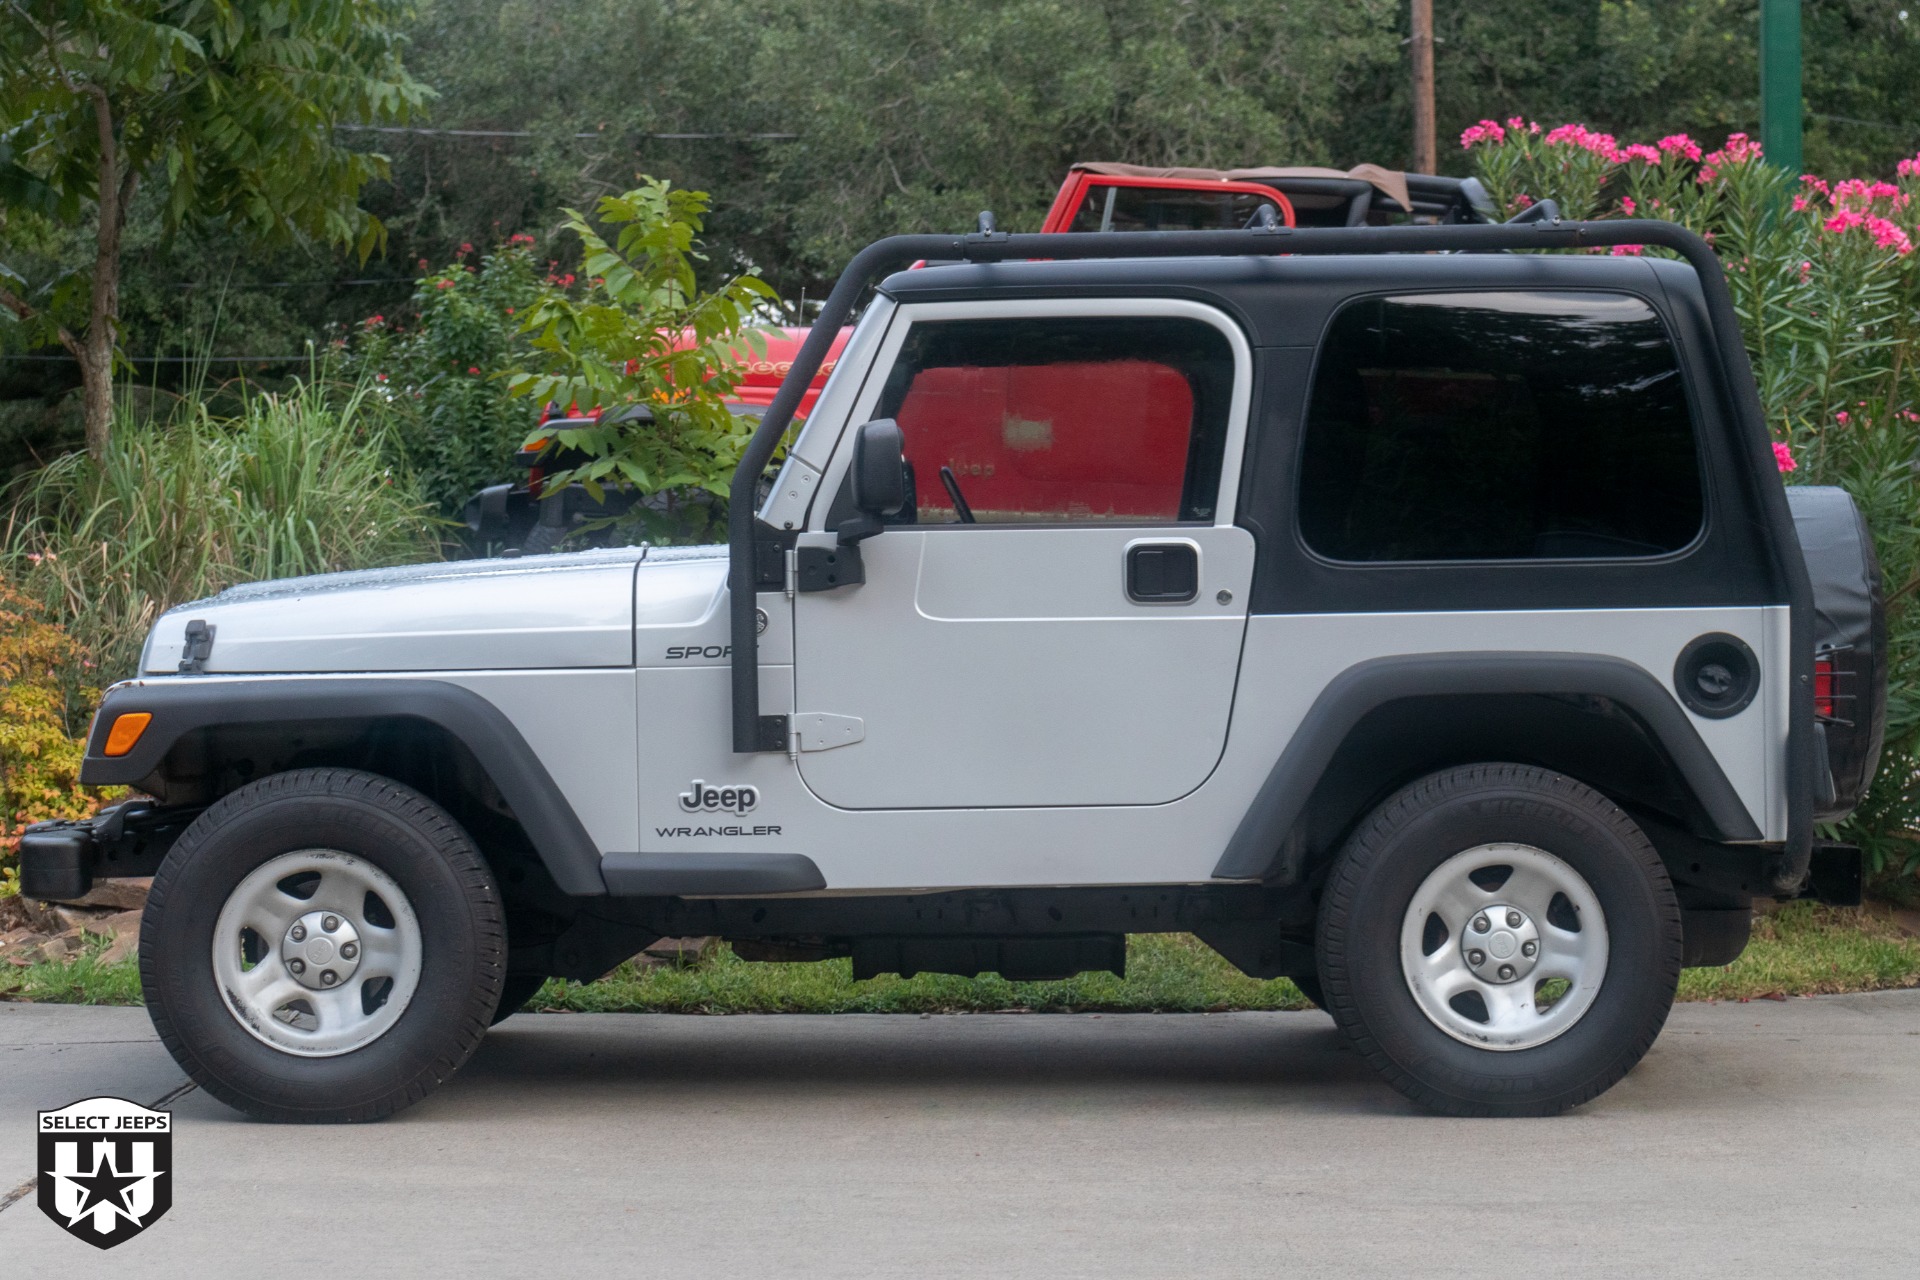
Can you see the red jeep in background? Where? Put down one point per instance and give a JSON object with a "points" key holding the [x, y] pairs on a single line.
{"points": [[1093, 197]]}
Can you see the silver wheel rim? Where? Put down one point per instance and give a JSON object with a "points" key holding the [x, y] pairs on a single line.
{"points": [[317, 953], [1504, 961]]}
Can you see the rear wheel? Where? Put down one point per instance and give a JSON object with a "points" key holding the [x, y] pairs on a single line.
{"points": [[1499, 940], [322, 945]]}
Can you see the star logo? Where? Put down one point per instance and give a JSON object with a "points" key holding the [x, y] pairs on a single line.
{"points": [[105, 1169]]}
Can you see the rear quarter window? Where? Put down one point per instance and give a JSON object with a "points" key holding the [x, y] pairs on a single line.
{"points": [[1514, 425]]}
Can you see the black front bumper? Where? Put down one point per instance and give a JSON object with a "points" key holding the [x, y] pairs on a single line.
{"points": [[59, 860]]}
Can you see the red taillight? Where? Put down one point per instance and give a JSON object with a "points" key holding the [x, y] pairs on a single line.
{"points": [[1823, 688]]}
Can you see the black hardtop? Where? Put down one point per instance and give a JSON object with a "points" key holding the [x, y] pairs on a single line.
{"points": [[1285, 301]]}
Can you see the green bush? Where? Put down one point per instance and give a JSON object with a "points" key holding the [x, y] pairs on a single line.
{"points": [[432, 371], [296, 483], [1827, 285]]}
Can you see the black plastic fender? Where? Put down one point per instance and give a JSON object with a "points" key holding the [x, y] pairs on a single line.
{"points": [[1366, 685], [181, 706]]}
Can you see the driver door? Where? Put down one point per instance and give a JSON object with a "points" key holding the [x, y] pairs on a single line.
{"points": [[1056, 617]]}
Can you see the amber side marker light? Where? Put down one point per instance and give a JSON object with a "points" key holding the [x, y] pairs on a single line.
{"points": [[126, 731]]}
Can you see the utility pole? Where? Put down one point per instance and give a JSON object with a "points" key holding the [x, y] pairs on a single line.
{"points": [[1426, 158], [1780, 82]]}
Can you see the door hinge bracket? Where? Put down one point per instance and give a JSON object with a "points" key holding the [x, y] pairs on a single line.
{"points": [[822, 731], [826, 568], [792, 561]]}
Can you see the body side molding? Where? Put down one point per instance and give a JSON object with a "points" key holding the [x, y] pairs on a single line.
{"points": [[1367, 685], [181, 706], [679, 875]]}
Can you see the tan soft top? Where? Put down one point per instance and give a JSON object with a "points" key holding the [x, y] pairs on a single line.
{"points": [[1389, 182]]}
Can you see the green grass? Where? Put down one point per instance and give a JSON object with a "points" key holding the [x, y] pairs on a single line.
{"points": [[1800, 950], [299, 482]]}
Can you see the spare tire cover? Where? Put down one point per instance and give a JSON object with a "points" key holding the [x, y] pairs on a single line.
{"points": [[1850, 628]]}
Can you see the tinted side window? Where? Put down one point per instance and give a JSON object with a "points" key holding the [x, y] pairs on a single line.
{"points": [[1056, 420], [1123, 208], [1498, 426]]}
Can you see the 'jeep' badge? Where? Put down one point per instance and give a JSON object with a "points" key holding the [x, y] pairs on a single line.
{"points": [[106, 1168]]}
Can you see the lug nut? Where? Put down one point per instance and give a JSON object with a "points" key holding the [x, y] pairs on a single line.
{"points": [[1480, 924], [348, 950], [329, 923], [1526, 948], [328, 977], [299, 933], [1506, 972], [1513, 919], [297, 966], [1476, 957]]}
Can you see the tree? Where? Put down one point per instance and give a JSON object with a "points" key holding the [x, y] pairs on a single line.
{"points": [[226, 108]]}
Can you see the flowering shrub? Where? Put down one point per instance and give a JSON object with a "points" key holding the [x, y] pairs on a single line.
{"points": [[646, 334], [39, 761], [1827, 285], [454, 425]]}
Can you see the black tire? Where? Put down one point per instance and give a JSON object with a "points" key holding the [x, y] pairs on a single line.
{"points": [[404, 835], [515, 990], [1371, 889]]}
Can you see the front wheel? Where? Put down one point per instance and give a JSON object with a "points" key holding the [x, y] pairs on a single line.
{"points": [[322, 945], [1499, 940]]}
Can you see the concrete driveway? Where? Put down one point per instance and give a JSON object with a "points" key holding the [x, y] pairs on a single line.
{"points": [[1762, 1139]]}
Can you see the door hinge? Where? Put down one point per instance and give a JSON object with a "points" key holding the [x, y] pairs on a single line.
{"points": [[825, 568], [792, 562], [822, 731]]}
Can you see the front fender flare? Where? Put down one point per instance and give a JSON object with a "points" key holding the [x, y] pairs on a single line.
{"points": [[181, 706], [1366, 685]]}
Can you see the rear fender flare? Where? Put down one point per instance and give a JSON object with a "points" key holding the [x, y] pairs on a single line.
{"points": [[1282, 798]]}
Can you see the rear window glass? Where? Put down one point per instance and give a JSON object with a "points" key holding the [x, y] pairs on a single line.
{"points": [[1498, 426], [1062, 420], [1122, 208]]}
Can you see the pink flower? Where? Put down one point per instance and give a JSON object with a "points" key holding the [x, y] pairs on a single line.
{"points": [[1800, 204], [465, 249], [1783, 457], [1628, 250], [1680, 143], [1740, 149], [1627, 205], [379, 377], [374, 320], [1520, 124], [1578, 135], [1638, 151], [1843, 417], [443, 284], [1488, 131], [1523, 200], [1889, 236], [473, 368]]}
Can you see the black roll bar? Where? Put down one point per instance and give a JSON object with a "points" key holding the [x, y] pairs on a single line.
{"points": [[746, 533]]}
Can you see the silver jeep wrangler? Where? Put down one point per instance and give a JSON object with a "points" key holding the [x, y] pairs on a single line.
{"points": [[1419, 620]]}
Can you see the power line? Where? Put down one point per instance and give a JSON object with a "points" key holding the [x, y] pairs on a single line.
{"points": [[175, 359], [587, 133]]}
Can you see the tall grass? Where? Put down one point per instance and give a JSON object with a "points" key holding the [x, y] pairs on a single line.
{"points": [[181, 507]]}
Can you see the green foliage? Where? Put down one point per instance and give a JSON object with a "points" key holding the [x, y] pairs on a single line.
{"points": [[229, 107], [39, 754], [1802, 949], [1827, 285], [646, 352], [177, 510], [452, 422]]}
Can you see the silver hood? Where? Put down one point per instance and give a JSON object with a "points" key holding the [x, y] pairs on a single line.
{"points": [[570, 610]]}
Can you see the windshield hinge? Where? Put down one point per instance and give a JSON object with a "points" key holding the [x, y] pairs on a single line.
{"points": [[199, 647], [823, 731]]}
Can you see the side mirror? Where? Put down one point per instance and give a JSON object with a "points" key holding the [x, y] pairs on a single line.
{"points": [[879, 477]]}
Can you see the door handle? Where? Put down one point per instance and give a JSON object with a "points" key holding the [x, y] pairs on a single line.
{"points": [[1163, 572]]}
